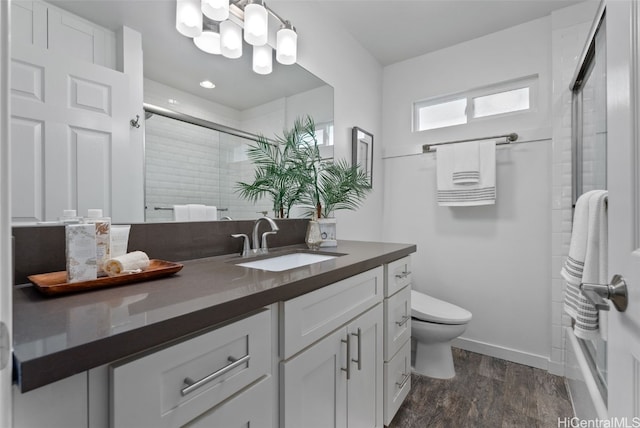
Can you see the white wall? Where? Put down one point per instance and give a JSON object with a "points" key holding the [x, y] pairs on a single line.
{"points": [[492, 260], [332, 54]]}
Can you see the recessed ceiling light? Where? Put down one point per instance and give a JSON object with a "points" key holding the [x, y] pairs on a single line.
{"points": [[207, 84], [173, 101]]}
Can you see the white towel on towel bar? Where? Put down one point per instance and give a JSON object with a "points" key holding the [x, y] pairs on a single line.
{"points": [[466, 163], [481, 193], [180, 213], [197, 212], [212, 213], [587, 261]]}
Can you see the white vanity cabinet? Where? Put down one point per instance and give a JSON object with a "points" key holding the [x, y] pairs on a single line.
{"points": [[332, 371], [219, 378], [397, 338]]}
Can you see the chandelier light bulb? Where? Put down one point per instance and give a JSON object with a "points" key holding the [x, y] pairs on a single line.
{"points": [[230, 39], [256, 23], [262, 59], [287, 44], [209, 40], [217, 10], [188, 18]]}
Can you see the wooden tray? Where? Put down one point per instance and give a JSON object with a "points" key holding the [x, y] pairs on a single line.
{"points": [[56, 282]]}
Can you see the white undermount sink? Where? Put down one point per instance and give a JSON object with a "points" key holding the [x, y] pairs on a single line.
{"points": [[287, 261]]}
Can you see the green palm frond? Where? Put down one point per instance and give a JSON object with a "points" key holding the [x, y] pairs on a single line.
{"points": [[291, 171]]}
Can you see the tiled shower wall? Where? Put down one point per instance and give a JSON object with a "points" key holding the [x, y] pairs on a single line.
{"points": [[567, 44], [190, 164]]}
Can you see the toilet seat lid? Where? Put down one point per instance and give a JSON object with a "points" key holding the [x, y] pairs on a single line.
{"points": [[430, 309]]}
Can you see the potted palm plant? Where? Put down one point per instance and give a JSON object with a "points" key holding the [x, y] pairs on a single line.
{"points": [[292, 172], [275, 175]]}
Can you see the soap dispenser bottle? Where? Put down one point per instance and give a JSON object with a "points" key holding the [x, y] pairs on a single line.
{"points": [[103, 237]]}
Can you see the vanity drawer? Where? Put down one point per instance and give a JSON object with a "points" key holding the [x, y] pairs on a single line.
{"points": [[397, 381], [154, 390], [309, 317], [253, 408], [397, 275], [397, 321]]}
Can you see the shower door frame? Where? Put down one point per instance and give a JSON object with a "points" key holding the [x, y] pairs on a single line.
{"points": [[593, 351]]}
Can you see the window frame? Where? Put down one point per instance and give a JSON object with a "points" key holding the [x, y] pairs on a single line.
{"points": [[531, 82]]}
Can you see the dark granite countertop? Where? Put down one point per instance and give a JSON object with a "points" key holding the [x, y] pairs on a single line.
{"points": [[56, 337]]}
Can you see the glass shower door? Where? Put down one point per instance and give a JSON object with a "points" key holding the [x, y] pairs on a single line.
{"points": [[590, 162]]}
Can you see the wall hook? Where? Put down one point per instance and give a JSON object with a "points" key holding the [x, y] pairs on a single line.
{"points": [[135, 122]]}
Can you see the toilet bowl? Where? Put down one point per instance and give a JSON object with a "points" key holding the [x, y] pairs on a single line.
{"points": [[434, 324]]}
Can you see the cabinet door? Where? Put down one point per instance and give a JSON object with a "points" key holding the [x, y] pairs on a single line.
{"points": [[314, 385], [58, 405], [364, 388]]}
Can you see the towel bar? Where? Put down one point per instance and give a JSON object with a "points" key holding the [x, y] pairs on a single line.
{"points": [[509, 138]]}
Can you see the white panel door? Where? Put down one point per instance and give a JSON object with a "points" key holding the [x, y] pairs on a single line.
{"points": [[623, 181], [71, 146], [5, 223]]}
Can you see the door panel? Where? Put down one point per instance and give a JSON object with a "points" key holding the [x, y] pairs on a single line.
{"points": [[623, 177], [86, 153], [6, 267]]}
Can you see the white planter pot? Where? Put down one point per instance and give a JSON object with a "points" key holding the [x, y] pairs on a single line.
{"points": [[328, 232]]}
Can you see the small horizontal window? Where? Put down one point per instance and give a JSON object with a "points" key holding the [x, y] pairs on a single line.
{"points": [[504, 98], [501, 102], [439, 115]]}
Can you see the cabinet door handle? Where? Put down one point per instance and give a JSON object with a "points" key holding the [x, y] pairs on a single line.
{"points": [[192, 385], [404, 320], [359, 360], [403, 382], [404, 274], [348, 369]]}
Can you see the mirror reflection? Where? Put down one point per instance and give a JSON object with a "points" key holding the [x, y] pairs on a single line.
{"points": [[88, 167], [189, 164]]}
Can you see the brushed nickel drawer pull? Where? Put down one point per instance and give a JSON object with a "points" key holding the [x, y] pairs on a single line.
{"points": [[348, 369], [359, 360], [403, 382], [192, 385], [404, 320], [403, 274]]}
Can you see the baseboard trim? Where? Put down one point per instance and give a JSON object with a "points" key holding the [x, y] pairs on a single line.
{"points": [[513, 355]]}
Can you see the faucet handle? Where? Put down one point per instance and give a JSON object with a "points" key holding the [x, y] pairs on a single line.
{"points": [[245, 244], [263, 245]]}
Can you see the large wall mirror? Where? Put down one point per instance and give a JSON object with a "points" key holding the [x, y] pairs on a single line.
{"points": [[241, 101]]}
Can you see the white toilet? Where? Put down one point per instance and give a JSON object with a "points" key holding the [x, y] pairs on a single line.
{"points": [[434, 324]]}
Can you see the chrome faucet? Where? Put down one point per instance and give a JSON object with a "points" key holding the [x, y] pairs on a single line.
{"points": [[263, 245]]}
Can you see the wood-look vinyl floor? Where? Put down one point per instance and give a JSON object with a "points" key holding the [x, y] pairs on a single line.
{"points": [[486, 392]]}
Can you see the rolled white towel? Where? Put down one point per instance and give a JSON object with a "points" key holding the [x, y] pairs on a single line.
{"points": [[134, 262]]}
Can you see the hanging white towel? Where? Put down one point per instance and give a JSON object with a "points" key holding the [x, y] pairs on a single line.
{"points": [[197, 212], [466, 163], [481, 193], [587, 261], [211, 213], [180, 213]]}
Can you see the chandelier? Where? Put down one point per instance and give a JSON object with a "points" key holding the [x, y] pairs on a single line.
{"points": [[217, 27]]}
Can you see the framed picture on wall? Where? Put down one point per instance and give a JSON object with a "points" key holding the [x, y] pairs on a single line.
{"points": [[362, 151]]}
